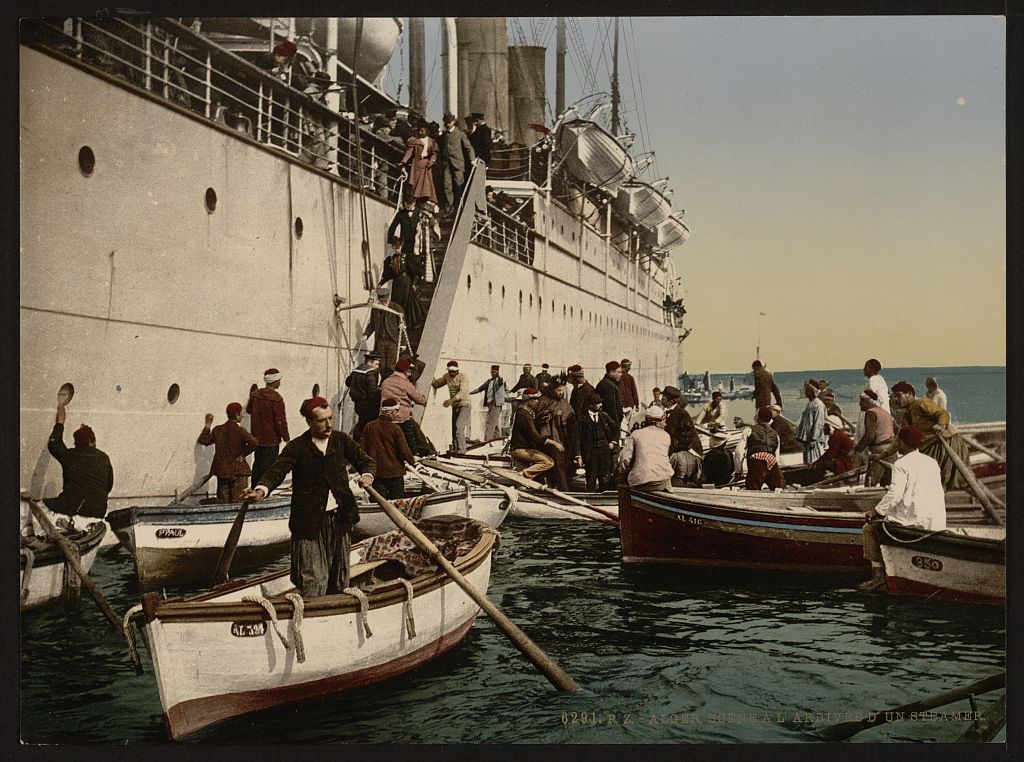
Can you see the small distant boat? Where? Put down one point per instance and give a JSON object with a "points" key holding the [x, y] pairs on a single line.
{"points": [[223, 654], [181, 542], [791, 530], [45, 573], [593, 155], [487, 505], [960, 564]]}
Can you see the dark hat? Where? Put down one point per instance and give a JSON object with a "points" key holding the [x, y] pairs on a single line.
{"points": [[403, 364], [755, 364], [544, 365], [611, 365], [764, 414], [557, 381], [310, 405], [626, 361], [716, 393], [575, 368], [477, 115], [874, 365], [389, 404], [233, 409], [448, 117], [83, 435], [495, 367], [911, 436], [595, 399], [452, 364], [372, 356], [903, 386], [286, 48], [671, 391]]}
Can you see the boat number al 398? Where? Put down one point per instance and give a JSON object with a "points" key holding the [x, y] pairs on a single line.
{"points": [[926, 563], [248, 629], [169, 533]]}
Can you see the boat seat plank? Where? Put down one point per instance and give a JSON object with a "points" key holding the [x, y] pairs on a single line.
{"points": [[279, 588]]}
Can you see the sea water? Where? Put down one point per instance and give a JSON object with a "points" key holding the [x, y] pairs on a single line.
{"points": [[661, 654]]}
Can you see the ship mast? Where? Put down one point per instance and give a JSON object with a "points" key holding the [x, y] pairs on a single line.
{"points": [[417, 66], [450, 56], [615, 81], [559, 66]]}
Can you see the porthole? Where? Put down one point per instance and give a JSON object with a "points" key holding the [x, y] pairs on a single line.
{"points": [[563, 310], [86, 160], [520, 297], [66, 394], [574, 235], [489, 287], [531, 300], [316, 391], [540, 303], [211, 200], [173, 392], [469, 282], [298, 227], [570, 312], [502, 292]]}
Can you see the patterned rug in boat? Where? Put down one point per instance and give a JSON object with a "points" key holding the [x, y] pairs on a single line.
{"points": [[454, 536]]}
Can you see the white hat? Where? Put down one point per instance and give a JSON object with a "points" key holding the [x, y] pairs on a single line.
{"points": [[270, 375], [655, 412], [835, 422]]}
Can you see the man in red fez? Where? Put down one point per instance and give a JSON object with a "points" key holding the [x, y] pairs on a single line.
{"points": [[629, 397], [232, 443], [527, 443], [914, 498], [269, 422], [88, 475], [608, 388], [318, 462]]}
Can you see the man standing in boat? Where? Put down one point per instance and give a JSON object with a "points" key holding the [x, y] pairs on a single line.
{"points": [[785, 429], [629, 397], [840, 446], [764, 387], [364, 388], [879, 431], [927, 416], [457, 155], [232, 443], [645, 454], [269, 422], [596, 437], [88, 475], [385, 443], [556, 420], [915, 498], [714, 413], [679, 424], [544, 377], [527, 443], [318, 462], [399, 386], [581, 390], [762, 454], [608, 388], [458, 400], [935, 394], [811, 430], [385, 325], [494, 398], [526, 379]]}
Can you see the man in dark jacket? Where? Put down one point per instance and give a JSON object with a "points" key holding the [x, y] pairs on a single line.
{"points": [[456, 155], [269, 422], [405, 223], [364, 388], [764, 387], [318, 461], [480, 138], [582, 389], [556, 420], [544, 377], [628, 395], [527, 443], [384, 441], [232, 443], [679, 424], [762, 449], [596, 436], [786, 431], [88, 475], [608, 388], [526, 379]]}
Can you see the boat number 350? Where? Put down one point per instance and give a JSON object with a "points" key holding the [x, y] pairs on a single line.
{"points": [[170, 533], [928, 564], [248, 629]]}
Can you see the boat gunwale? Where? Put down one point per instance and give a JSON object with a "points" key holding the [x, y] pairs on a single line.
{"points": [[52, 555]]}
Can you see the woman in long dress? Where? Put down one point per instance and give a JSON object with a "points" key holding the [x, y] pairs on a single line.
{"points": [[420, 157], [402, 289]]}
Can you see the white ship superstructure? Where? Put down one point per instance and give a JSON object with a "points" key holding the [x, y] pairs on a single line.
{"points": [[189, 219]]}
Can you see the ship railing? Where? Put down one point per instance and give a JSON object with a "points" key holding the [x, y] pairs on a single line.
{"points": [[175, 63], [517, 162], [503, 234]]}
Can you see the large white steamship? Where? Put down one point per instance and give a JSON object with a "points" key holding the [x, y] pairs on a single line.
{"points": [[189, 218]]}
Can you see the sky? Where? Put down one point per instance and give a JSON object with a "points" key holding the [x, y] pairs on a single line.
{"points": [[843, 175]]}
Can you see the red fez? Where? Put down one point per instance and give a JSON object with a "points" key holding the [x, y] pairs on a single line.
{"points": [[495, 367], [83, 435], [575, 368], [911, 436], [610, 366], [286, 48], [655, 390], [402, 365], [764, 414], [233, 409], [903, 386], [530, 392], [310, 405]]}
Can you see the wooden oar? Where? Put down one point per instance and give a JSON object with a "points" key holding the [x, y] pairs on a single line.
{"points": [[518, 478], [839, 478], [428, 482], [982, 448], [558, 677], [227, 554], [70, 556], [847, 729], [988, 502], [482, 480], [193, 488]]}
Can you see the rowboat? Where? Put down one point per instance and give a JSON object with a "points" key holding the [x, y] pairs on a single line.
{"points": [[593, 155], [252, 645], [489, 506], [45, 574], [669, 234], [798, 530], [642, 204], [961, 564], [181, 542]]}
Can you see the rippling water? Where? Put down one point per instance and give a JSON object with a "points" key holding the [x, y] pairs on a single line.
{"points": [[663, 655]]}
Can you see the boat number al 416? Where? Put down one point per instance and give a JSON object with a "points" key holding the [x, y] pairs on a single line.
{"points": [[691, 519], [248, 629], [928, 564], [170, 533]]}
